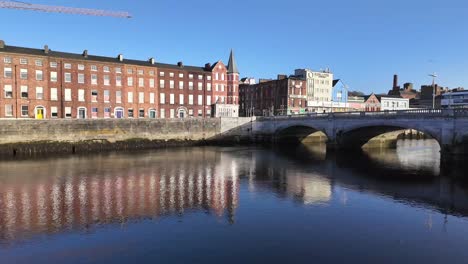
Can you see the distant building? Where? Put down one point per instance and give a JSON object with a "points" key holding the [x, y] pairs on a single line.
{"points": [[372, 103], [339, 97], [426, 98], [356, 103], [249, 80], [407, 91], [283, 96], [319, 89], [376, 103], [454, 99]]}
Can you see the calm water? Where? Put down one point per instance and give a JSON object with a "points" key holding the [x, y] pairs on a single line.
{"points": [[236, 205]]}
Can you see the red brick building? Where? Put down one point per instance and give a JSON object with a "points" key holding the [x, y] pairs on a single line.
{"points": [[41, 83], [285, 95]]}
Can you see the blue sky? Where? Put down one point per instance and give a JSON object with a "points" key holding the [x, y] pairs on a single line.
{"points": [[364, 42]]}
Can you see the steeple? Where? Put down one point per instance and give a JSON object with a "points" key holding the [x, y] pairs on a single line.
{"points": [[232, 65]]}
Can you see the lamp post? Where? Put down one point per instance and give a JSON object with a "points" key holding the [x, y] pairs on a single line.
{"points": [[434, 76]]}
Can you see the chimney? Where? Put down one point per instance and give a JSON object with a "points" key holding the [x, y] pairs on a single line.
{"points": [[2, 44], [395, 81], [207, 66], [85, 53], [46, 49], [180, 64], [281, 76], [152, 61], [120, 57]]}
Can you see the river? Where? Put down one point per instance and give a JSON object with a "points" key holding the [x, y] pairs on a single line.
{"points": [[236, 205]]}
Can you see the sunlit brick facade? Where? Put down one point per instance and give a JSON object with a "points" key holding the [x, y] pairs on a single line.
{"points": [[43, 84]]}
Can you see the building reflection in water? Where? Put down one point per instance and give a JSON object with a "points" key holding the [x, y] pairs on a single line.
{"points": [[45, 196]]}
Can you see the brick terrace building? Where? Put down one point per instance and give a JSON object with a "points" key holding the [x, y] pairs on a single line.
{"points": [[286, 95], [41, 83]]}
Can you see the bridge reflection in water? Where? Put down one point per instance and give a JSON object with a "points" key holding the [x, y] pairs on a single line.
{"points": [[77, 193]]}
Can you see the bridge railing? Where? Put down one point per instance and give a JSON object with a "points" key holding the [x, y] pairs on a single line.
{"points": [[390, 113]]}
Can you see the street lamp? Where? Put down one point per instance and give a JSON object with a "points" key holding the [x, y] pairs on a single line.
{"points": [[434, 76]]}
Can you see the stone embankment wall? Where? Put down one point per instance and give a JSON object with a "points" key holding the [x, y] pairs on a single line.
{"points": [[81, 136]]}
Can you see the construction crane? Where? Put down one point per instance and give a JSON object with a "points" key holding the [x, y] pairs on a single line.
{"points": [[62, 9]]}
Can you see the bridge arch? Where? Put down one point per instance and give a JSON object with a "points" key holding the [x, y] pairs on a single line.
{"points": [[297, 133], [355, 137]]}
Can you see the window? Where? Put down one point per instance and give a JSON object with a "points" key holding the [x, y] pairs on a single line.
{"points": [[162, 98], [216, 87], [171, 99], [67, 95], [140, 72], [171, 74], [94, 79], [208, 100], [190, 76], [8, 110], [80, 67], [53, 64], [67, 66], [162, 113], [94, 96], [94, 112], [141, 82], [118, 70], [81, 78], [68, 112], [23, 61], [208, 86], [23, 74], [141, 97], [130, 113], [130, 81], [130, 97], [172, 113], [171, 84], [106, 80], [106, 69], [151, 83], [107, 112], [217, 76], [24, 91], [38, 63], [200, 77], [129, 71], [8, 91], [53, 94], [222, 87], [181, 85], [200, 113], [200, 86], [190, 112], [181, 99], [190, 85], [68, 77], [81, 95], [151, 73], [24, 111], [39, 93], [106, 96], [141, 113], [161, 84], [93, 67], [208, 78], [7, 60], [151, 98], [53, 112], [222, 76], [181, 75], [118, 97], [118, 80], [190, 99], [7, 73], [200, 99], [53, 76]]}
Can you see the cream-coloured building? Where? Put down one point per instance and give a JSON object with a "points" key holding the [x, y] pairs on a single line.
{"points": [[319, 89]]}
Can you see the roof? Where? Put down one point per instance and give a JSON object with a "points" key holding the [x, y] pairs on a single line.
{"points": [[335, 82], [232, 65], [75, 56]]}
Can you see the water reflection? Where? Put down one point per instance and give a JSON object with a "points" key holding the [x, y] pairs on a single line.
{"points": [[77, 193]]}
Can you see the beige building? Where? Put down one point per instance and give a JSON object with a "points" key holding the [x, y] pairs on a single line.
{"points": [[319, 89]]}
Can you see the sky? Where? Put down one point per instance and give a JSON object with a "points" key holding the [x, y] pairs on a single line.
{"points": [[363, 42]]}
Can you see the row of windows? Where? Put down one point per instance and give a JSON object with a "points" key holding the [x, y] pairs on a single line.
{"points": [[119, 112]]}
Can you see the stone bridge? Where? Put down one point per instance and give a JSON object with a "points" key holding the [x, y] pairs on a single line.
{"points": [[354, 129]]}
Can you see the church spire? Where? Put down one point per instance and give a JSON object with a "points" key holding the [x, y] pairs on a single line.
{"points": [[232, 65]]}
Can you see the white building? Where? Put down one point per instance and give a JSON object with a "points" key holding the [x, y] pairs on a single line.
{"points": [[319, 89], [225, 110], [393, 103]]}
